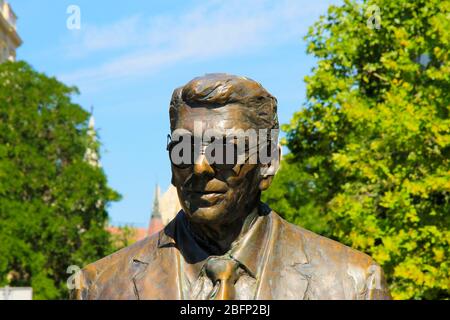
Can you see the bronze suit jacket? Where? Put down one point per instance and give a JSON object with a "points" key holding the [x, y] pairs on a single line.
{"points": [[295, 264]]}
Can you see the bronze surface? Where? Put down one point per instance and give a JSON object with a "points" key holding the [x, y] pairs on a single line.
{"points": [[225, 243]]}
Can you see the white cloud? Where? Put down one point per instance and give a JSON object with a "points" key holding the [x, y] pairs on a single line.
{"points": [[213, 30], [91, 38]]}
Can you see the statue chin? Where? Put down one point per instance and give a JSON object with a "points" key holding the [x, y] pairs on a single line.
{"points": [[206, 208], [219, 209]]}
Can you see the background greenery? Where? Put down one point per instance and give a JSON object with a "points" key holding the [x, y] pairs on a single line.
{"points": [[52, 203], [368, 162], [369, 150]]}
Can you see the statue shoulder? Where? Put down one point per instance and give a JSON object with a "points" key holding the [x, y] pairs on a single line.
{"points": [[126, 253], [105, 269], [314, 243], [326, 256]]}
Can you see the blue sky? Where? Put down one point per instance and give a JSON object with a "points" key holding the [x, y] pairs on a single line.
{"points": [[128, 57]]}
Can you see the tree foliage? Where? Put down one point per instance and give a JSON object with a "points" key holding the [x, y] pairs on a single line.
{"points": [[370, 150], [52, 203]]}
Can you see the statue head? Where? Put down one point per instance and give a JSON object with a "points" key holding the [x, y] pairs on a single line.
{"points": [[224, 146]]}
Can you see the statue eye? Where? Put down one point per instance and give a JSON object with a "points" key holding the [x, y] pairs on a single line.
{"points": [[222, 153], [181, 152]]}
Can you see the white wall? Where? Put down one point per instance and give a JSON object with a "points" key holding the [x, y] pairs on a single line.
{"points": [[12, 293]]}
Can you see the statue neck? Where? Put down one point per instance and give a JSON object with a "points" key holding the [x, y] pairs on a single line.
{"points": [[217, 239]]}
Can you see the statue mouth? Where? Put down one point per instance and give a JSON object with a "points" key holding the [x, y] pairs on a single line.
{"points": [[204, 192], [204, 198]]}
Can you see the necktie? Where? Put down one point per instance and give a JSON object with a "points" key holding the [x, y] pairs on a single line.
{"points": [[224, 272]]}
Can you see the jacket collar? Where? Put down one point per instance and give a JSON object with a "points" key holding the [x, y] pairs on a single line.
{"points": [[256, 251], [248, 250]]}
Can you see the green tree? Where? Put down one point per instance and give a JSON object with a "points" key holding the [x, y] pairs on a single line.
{"points": [[52, 202], [369, 151]]}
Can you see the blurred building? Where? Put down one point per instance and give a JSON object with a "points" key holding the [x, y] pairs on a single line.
{"points": [[9, 42], [91, 155], [156, 223], [165, 208], [9, 38], [126, 235]]}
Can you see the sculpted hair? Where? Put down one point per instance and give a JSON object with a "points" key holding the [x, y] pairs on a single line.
{"points": [[219, 89]]}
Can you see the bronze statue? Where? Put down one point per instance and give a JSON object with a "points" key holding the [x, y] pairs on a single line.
{"points": [[225, 243]]}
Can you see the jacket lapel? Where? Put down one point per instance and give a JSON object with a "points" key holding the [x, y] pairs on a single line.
{"points": [[284, 269], [156, 274], [281, 276]]}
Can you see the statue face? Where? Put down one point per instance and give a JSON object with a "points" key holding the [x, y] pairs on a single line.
{"points": [[212, 193]]}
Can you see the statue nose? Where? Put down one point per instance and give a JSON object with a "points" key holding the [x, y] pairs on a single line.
{"points": [[202, 167]]}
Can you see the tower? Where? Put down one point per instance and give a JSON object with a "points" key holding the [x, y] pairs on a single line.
{"points": [[9, 38], [156, 223], [91, 155]]}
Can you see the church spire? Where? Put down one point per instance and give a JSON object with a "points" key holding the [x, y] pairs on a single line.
{"points": [[156, 220], [91, 155], [156, 212]]}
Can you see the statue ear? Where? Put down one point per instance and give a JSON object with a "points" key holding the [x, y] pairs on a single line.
{"points": [[268, 171]]}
